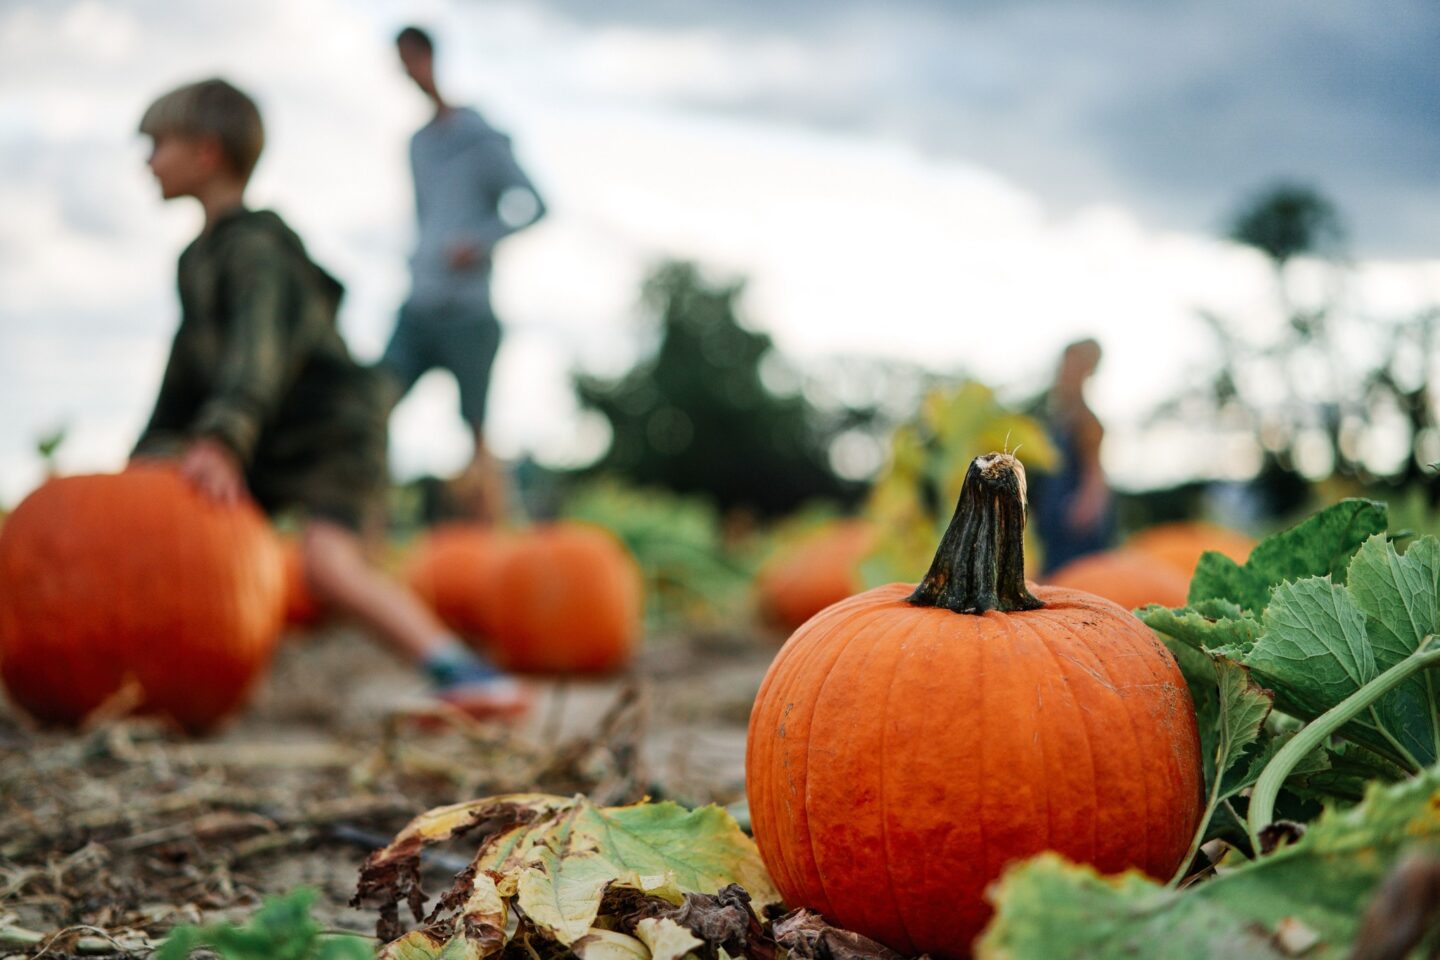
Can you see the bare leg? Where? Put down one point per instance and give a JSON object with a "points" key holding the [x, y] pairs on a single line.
{"points": [[341, 576], [482, 488]]}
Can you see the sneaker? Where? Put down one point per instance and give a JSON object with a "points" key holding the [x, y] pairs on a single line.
{"points": [[490, 698]]}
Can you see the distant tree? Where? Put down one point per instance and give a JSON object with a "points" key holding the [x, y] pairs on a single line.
{"points": [[696, 416], [1300, 383], [1287, 220]]}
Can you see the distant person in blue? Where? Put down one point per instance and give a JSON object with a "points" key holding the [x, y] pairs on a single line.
{"points": [[469, 194], [1074, 512]]}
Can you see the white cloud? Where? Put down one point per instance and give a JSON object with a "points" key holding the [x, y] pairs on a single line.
{"points": [[852, 243]]}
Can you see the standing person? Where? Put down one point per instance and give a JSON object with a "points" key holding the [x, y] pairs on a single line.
{"points": [[260, 396], [1073, 512], [469, 194]]}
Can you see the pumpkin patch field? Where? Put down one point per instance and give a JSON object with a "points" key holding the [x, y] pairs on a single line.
{"points": [[1127, 758]]}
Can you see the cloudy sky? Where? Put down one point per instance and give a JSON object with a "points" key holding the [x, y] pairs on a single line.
{"points": [[963, 184]]}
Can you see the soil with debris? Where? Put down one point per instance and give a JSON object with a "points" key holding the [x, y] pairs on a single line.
{"points": [[111, 836]]}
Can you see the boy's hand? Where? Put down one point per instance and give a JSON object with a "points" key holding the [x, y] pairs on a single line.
{"points": [[467, 256], [213, 469]]}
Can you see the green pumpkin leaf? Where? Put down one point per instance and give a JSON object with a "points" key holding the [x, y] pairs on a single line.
{"points": [[1400, 596], [1313, 651], [1318, 546], [1244, 705], [1051, 909], [1207, 625]]}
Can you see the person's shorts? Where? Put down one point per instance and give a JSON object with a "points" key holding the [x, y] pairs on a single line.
{"points": [[330, 461], [460, 337]]}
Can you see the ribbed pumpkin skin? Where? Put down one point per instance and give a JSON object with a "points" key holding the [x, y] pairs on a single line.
{"points": [[947, 745], [1179, 545], [570, 601], [820, 570], [1126, 577], [135, 575], [455, 569]]}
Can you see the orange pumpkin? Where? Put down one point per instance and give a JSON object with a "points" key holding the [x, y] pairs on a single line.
{"points": [[821, 569], [908, 743], [1179, 545], [454, 570], [301, 608], [136, 578], [570, 601], [1127, 577]]}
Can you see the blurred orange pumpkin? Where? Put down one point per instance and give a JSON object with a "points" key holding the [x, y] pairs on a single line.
{"points": [[301, 608], [568, 599], [1179, 545], [1127, 577], [559, 598], [821, 569], [453, 569], [135, 578]]}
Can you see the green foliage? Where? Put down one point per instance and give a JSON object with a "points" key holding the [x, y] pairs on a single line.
{"points": [[1312, 622], [914, 497], [1311, 894], [691, 576], [282, 929], [697, 417], [1318, 546]]}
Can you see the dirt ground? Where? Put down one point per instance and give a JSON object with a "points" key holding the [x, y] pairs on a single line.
{"points": [[115, 834]]}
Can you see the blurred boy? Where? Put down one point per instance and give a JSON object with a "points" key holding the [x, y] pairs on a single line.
{"points": [[261, 396]]}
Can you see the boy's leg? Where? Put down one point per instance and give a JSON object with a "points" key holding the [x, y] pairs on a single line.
{"points": [[483, 486], [470, 356], [407, 356], [339, 574]]}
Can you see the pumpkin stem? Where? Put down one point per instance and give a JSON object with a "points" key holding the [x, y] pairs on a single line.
{"points": [[980, 564]]}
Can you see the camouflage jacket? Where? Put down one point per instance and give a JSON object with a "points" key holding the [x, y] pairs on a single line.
{"points": [[257, 361]]}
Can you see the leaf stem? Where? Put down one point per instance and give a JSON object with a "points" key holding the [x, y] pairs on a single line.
{"points": [[1401, 752], [1212, 802], [1267, 788]]}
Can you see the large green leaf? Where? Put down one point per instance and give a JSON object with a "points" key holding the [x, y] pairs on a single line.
{"points": [[1400, 596], [1313, 650], [1048, 908], [1321, 642], [1318, 546]]}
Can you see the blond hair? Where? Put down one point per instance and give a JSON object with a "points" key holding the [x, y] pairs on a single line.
{"points": [[211, 108]]}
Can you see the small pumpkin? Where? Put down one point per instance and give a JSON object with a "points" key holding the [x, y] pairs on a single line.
{"points": [[1179, 545], [570, 601], [821, 569], [454, 569], [1127, 577], [108, 580], [910, 742], [302, 609]]}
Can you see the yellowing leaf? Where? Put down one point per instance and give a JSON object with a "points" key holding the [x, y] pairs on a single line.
{"points": [[600, 944], [666, 939], [555, 858]]}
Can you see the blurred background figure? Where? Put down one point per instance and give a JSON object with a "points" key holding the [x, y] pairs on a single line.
{"points": [[469, 194], [1073, 508]]}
